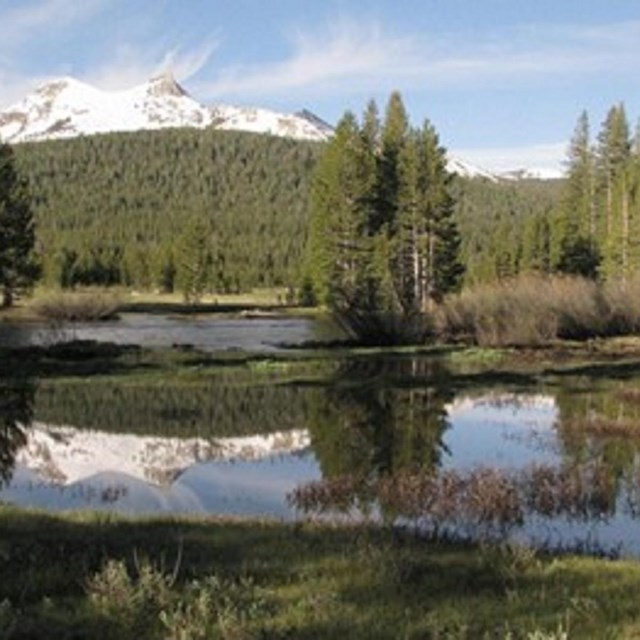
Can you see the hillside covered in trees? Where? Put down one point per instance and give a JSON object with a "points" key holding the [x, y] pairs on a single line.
{"points": [[127, 208], [137, 209]]}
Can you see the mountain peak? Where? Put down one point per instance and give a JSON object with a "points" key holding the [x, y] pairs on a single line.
{"points": [[65, 108], [165, 85], [54, 87]]}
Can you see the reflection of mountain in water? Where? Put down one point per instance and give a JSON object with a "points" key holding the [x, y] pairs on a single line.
{"points": [[66, 455]]}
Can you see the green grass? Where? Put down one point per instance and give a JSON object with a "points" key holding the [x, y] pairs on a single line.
{"points": [[87, 575]]}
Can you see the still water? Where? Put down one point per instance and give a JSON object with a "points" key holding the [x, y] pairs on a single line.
{"points": [[208, 333], [394, 438]]}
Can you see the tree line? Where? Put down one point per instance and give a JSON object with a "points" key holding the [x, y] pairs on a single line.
{"points": [[199, 211], [134, 209], [587, 224], [599, 220], [224, 211]]}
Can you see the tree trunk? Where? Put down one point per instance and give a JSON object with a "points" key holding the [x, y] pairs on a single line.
{"points": [[7, 298], [625, 230]]}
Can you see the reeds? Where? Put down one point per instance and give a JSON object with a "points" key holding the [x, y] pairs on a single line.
{"points": [[480, 502], [78, 306], [535, 309]]}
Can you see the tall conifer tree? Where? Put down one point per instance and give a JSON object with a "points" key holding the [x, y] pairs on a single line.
{"points": [[18, 268], [383, 242], [613, 157], [575, 227]]}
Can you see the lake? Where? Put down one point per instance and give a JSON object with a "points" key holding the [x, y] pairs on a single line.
{"points": [[398, 438], [209, 333]]}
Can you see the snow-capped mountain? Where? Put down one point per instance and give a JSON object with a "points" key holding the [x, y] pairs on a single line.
{"points": [[468, 170], [67, 108], [530, 174], [301, 126]]}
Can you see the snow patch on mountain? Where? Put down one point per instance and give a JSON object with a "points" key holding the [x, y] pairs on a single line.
{"points": [[530, 174], [67, 108], [468, 170], [257, 120]]}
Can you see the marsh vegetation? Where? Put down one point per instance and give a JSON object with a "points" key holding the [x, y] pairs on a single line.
{"points": [[454, 472]]}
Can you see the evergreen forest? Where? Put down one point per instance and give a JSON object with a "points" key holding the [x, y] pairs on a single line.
{"points": [[215, 211], [135, 209]]}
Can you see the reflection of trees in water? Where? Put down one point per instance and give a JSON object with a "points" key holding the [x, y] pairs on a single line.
{"points": [[207, 409], [601, 424], [598, 477], [380, 416], [16, 413]]}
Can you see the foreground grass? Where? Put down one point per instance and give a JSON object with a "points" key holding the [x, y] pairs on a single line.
{"points": [[77, 576]]}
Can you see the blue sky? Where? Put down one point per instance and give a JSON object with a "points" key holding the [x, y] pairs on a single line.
{"points": [[503, 81]]}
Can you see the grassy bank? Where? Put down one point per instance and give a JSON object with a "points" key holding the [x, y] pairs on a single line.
{"points": [[101, 576], [96, 303]]}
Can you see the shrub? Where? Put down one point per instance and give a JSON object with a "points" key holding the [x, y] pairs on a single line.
{"points": [[78, 306], [622, 299], [534, 309], [149, 605]]}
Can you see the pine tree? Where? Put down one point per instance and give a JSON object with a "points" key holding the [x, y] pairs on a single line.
{"points": [[383, 242], [194, 260], [442, 270], [340, 253], [575, 226], [580, 183], [18, 268], [394, 133], [613, 157]]}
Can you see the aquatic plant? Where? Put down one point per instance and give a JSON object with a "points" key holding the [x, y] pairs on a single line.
{"points": [[481, 503]]}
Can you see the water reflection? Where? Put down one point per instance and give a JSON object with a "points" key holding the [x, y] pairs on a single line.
{"points": [[208, 333], [562, 470], [390, 437], [16, 413], [378, 418], [68, 468]]}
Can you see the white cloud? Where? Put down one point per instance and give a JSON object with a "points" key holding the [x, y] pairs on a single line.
{"points": [[184, 64], [345, 53], [130, 65], [358, 56], [24, 24]]}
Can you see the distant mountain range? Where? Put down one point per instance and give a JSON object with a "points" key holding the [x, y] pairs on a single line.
{"points": [[67, 108]]}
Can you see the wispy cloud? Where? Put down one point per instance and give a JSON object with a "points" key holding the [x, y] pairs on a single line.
{"points": [[129, 65], [19, 23], [27, 23], [361, 56], [345, 53]]}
